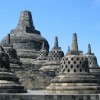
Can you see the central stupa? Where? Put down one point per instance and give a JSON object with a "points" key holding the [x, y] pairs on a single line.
{"points": [[25, 38]]}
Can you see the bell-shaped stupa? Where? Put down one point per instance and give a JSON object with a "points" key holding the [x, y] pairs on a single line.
{"points": [[92, 59], [43, 54], [68, 50], [52, 64], [9, 83], [25, 38], [92, 62], [15, 62], [74, 76]]}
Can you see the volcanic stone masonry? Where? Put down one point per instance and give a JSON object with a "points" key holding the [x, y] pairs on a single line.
{"points": [[15, 62], [93, 64], [42, 56], [52, 65], [9, 83], [74, 77], [27, 41], [25, 38], [75, 73]]}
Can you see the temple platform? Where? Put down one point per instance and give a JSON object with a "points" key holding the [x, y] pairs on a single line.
{"points": [[42, 95]]}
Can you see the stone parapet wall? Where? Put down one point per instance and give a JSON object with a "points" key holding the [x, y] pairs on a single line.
{"points": [[48, 97]]}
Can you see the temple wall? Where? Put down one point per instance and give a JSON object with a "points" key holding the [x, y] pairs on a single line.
{"points": [[48, 97]]}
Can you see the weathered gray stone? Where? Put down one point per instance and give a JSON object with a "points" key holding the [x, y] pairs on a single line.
{"points": [[40, 96], [52, 65], [15, 63], [93, 64], [25, 39], [9, 83], [30, 76], [43, 54], [74, 76], [91, 58]]}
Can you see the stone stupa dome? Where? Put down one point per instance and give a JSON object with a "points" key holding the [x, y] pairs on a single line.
{"points": [[92, 59], [93, 63], [9, 82], [25, 38], [74, 75], [52, 65], [43, 54]]}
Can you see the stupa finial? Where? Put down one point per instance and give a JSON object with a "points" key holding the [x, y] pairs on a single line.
{"points": [[25, 22], [68, 48], [56, 42], [89, 48], [8, 39], [74, 42]]}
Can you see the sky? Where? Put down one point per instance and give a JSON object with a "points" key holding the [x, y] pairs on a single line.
{"points": [[59, 18]]}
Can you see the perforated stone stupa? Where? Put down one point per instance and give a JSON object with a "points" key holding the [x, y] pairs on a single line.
{"points": [[52, 64], [93, 64], [9, 83], [74, 76], [15, 62], [43, 54], [25, 38]]}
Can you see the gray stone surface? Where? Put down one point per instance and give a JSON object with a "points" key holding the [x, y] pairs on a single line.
{"points": [[35, 95], [93, 64], [74, 76], [52, 65], [43, 54], [9, 83], [15, 62], [30, 76], [25, 38], [74, 73], [92, 59]]}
